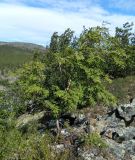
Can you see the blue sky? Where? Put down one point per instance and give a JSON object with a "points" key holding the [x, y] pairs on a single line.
{"points": [[35, 20]]}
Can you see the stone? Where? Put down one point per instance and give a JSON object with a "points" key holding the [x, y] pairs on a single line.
{"points": [[25, 119], [132, 157], [64, 132], [3, 88], [51, 124], [128, 132], [127, 111], [116, 149], [130, 146], [133, 102], [92, 154], [118, 131], [58, 148]]}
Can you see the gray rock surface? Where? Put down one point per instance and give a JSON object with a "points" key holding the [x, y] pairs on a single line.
{"points": [[118, 131], [92, 154], [28, 118]]}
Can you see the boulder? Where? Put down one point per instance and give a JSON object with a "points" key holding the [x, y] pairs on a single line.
{"points": [[25, 119], [127, 111]]}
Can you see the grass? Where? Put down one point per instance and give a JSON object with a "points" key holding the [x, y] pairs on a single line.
{"points": [[94, 140], [4, 82], [123, 88]]}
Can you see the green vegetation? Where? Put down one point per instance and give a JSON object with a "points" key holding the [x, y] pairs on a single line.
{"points": [[94, 140], [30, 86], [123, 88], [74, 73], [11, 57], [15, 145]]}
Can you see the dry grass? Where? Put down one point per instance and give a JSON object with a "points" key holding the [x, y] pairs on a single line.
{"points": [[123, 88]]}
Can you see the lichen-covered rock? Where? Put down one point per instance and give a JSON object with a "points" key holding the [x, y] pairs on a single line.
{"points": [[127, 111], [25, 119], [116, 149], [119, 132], [92, 154]]}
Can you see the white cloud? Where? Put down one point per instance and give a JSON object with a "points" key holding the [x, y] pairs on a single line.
{"points": [[24, 23]]}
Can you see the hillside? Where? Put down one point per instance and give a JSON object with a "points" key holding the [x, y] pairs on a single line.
{"points": [[24, 45], [16, 53], [63, 105]]}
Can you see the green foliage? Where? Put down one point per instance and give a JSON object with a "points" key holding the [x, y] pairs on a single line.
{"points": [[94, 140], [4, 82], [76, 74], [125, 34], [72, 73], [126, 37], [30, 85], [5, 108], [28, 146], [92, 46], [15, 145]]}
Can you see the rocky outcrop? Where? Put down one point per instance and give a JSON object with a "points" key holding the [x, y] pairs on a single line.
{"points": [[119, 131], [117, 128]]}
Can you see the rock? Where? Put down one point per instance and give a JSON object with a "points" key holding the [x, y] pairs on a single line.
{"points": [[78, 130], [92, 154], [117, 127], [51, 124], [133, 102], [3, 88], [116, 149], [64, 132], [128, 133], [118, 131], [130, 146], [132, 157], [127, 111], [98, 125], [127, 156], [58, 148], [25, 119]]}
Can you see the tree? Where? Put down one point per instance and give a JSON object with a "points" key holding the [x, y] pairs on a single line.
{"points": [[125, 34], [29, 87], [73, 72], [75, 76], [126, 38], [54, 42]]}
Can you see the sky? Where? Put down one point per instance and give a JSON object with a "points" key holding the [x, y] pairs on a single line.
{"points": [[35, 20]]}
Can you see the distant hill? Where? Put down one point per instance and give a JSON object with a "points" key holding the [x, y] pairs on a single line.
{"points": [[23, 45], [14, 54]]}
